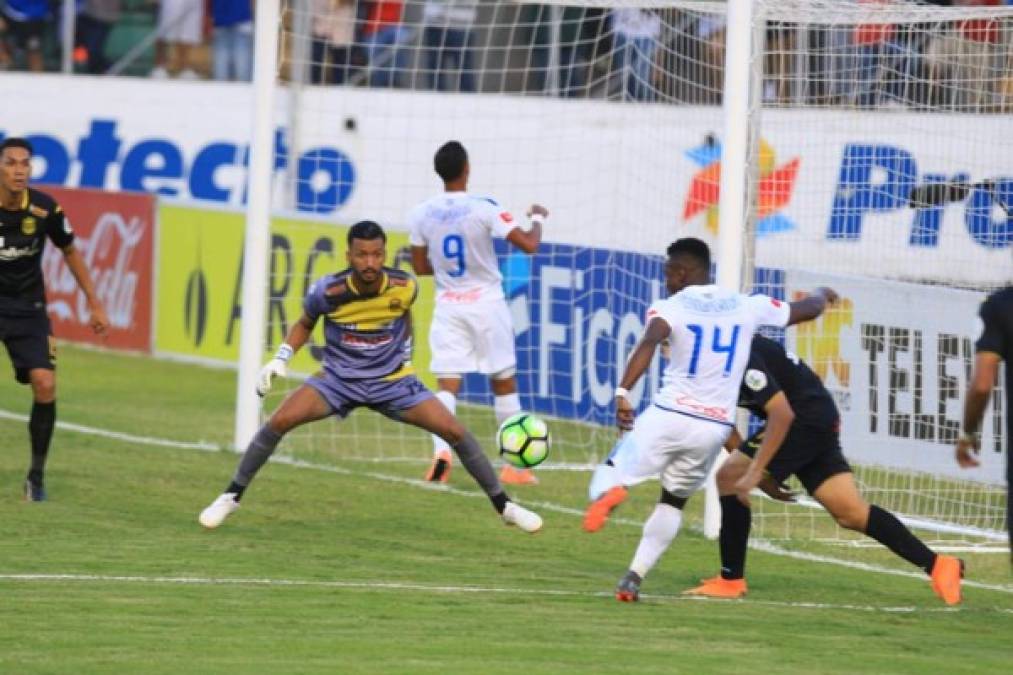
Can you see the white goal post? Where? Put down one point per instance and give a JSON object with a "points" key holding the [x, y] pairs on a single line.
{"points": [[859, 144]]}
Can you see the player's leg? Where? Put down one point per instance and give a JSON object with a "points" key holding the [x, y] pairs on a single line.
{"points": [[453, 353], [33, 355], [736, 520], [839, 495], [447, 388], [430, 415], [303, 405]]}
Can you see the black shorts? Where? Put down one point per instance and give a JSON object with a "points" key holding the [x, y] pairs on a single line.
{"points": [[29, 342], [813, 456]]}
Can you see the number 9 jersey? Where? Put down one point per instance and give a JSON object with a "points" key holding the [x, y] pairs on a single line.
{"points": [[712, 329], [458, 230]]}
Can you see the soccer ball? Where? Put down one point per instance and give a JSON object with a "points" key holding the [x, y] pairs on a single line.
{"points": [[523, 440]]}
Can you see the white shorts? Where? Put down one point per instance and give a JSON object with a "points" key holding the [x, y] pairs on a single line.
{"points": [[679, 448], [181, 21], [476, 337]]}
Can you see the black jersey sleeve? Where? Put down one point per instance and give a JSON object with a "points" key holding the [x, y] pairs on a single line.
{"points": [[994, 336], [758, 384], [58, 227]]}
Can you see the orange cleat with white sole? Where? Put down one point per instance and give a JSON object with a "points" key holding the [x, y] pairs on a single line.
{"points": [[439, 472], [597, 513], [946, 576], [513, 476], [719, 587]]}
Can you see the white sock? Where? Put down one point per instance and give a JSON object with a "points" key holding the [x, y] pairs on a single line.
{"points": [[506, 406], [659, 531], [450, 401]]}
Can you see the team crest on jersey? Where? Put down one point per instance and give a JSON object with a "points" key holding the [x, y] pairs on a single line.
{"points": [[755, 379], [29, 225], [395, 304]]}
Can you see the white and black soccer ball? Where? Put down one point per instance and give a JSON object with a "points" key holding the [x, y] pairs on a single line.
{"points": [[523, 440]]}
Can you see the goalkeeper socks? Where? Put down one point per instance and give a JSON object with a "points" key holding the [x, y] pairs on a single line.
{"points": [[659, 531], [884, 527], [736, 519], [257, 453], [450, 402], [506, 406], [40, 429], [477, 464]]}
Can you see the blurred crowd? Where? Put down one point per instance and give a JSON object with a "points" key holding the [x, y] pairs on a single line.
{"points": [[632, 53]]}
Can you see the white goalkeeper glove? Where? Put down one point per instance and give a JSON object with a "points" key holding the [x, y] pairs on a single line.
{"points": [[278, 366]]}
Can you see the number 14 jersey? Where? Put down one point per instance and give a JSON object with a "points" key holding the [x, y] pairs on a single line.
{"points": [[712, 329]]}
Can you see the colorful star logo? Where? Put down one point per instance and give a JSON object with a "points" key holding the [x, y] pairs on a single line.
{"points": [[775, 188]]}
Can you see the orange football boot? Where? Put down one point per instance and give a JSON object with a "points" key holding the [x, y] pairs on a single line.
{"points": [[598, 511], [946, 576], [439, 472], [514, 476], [719, 587]]}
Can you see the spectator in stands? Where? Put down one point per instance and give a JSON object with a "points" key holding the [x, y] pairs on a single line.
{"points": [[333, 41], [180, 27], [383, 36], [447, 39], [711, 30], [232, 44], [636, 33], [23, 23], [874, 45], [94, 23]]}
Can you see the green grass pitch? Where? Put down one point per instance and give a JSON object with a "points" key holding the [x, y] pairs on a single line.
{"points": [[352, 566]]}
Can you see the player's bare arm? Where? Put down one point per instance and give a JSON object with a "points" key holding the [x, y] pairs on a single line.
{"points": [[779, 420], [528, 240], [657, 332], [811, 307], [986, 369], [420, 261], [99, 321]]}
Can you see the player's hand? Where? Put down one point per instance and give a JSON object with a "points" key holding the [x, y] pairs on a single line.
{"points": [[99, 320], [967, 452], [775, 490], [746, 484], [538, 209], [625, 415], [274, 368], [828, 293]]}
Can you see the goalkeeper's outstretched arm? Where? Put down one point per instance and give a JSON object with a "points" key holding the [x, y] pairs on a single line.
{"points": [[297, 336]]}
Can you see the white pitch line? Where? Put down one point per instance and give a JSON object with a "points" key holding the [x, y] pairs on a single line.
{"points": [[204, 446], [435, 589]]}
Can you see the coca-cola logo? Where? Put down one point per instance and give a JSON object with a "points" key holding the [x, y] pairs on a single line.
{"points": [[108, 253]]}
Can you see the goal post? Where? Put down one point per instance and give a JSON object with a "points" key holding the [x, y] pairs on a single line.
{"points": [[857, 144]]}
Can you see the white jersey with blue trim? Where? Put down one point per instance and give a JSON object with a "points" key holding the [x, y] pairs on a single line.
{"points": [[458, 230], [712, 329]]}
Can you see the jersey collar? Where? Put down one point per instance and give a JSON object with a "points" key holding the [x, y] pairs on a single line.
{"points": [[384, 283]]}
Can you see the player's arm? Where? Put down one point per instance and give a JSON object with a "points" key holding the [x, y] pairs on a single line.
{"points": [[810, 307], [657, 332], [986, 369], [528, 240], [297, 336], [421, 264], [779, 420], [99, 321]]}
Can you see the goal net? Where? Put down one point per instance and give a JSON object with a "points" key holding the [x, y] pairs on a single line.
{"points": [[876, 164]]}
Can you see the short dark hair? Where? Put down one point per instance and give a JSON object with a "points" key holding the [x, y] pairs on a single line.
{"points": [[14, 142], [693, 248], [366, 229], [450, 161]]}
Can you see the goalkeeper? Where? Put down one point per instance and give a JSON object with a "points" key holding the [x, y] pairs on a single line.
{"points": [[801, 430], [366, 310]]}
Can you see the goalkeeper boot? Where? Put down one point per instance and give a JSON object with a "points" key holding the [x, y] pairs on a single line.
{"points": [[719, 587], [529, 521], [513, 476], [215, 514], [946, 575], [439, 472], [628, 588], [35, 491], [598, 511]]}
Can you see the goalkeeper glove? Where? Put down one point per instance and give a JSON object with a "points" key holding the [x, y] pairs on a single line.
{"points": [[276, 366]]}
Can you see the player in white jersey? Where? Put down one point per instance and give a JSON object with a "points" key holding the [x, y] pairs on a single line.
{"points": [[452, 239], [709, 331]]}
